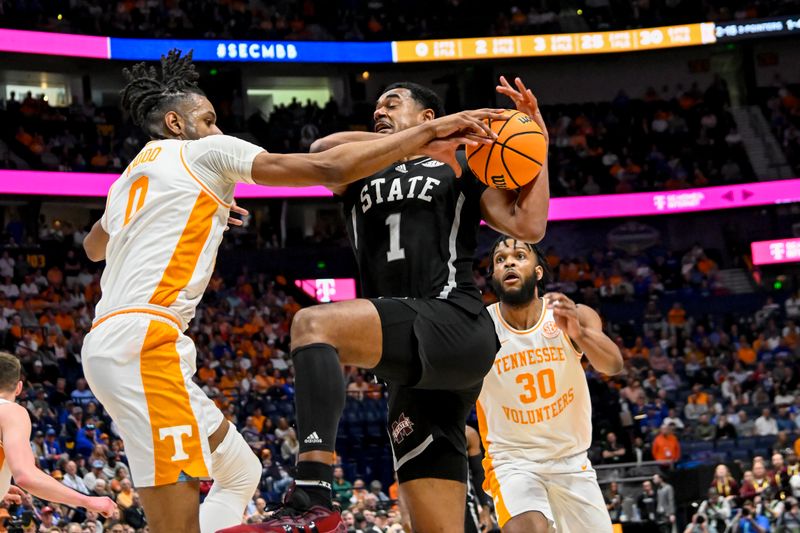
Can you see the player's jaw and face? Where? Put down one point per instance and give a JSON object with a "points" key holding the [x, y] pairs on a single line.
{"points": [[194, 119], [397, 110], [515, 272]]}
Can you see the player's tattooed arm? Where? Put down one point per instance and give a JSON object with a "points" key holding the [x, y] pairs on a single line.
{"points": [[585, 328], [95, 243], [521, 213]]}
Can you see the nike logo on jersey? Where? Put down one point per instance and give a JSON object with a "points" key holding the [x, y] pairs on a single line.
{"points": [[378, 190]]}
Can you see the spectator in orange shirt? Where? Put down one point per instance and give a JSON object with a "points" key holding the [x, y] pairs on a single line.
{"points": [[706, 265], [291, 307], [639, 349], [258, 419], [677, 315], [65, 320], [746, 353], [666, 446], [205, 372], [698, 397]]}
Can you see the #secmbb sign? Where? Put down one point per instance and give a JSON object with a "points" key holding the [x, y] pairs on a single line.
{"points": [[555, 44], [772, 252]]}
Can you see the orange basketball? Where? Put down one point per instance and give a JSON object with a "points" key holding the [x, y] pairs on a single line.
{"points": [[515, 158]]}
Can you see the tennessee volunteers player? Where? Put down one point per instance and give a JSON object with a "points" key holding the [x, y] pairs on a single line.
{"points": [[159, 235], [534, 411]]}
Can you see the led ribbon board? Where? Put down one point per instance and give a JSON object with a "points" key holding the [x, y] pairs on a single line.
{"points": [[62, 44], [574, 208]]}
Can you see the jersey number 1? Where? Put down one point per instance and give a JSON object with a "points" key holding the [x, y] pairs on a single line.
{"points": [[395, 252]]}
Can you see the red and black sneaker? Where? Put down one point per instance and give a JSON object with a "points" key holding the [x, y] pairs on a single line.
{"points": [[296, 516]]}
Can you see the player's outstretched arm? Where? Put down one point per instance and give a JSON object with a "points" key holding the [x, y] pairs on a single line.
{"points": [[342, 137], [585, 328], [521, 213], [350, 162], [95, 243], [16, 428]]}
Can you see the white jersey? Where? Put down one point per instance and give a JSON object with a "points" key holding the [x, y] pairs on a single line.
{"points": [[165, 216], [5, 470], [535, 401]]}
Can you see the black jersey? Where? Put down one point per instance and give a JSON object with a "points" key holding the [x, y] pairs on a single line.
{"points": [[413, 227]]}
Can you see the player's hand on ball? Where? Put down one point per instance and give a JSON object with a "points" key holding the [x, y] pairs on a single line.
{"points": [[464, 128], [565, 311], [104, 506], [524, 100]]}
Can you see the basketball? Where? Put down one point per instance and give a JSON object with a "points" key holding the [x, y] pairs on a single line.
{"points": [[515, 158]]}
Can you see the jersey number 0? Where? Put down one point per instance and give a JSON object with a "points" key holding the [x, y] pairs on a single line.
{"points": [[136, 198]]}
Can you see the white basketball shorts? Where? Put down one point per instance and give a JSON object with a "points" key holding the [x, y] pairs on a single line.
{"points": [[564, 490], [140, 366]]}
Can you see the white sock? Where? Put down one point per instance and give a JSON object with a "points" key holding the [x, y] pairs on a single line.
{"points": [[237, 472]]}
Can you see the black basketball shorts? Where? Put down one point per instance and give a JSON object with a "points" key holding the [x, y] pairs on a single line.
{"points": [[435, 356]]}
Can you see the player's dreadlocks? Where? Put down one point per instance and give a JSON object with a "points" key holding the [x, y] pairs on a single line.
{"points": [[541, 260], [147, 97]]}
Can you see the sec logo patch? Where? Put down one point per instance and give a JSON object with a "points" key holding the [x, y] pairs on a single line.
{"points": [[550, 330]]}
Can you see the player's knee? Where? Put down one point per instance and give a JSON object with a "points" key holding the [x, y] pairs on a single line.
{"points": [[307, 327]]}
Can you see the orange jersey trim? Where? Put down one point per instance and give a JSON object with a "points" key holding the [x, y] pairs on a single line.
{"points": [[137, 310], [2, 456], [169, 407], [521, 331], [184, 259], [202, 185], [491, 483]]}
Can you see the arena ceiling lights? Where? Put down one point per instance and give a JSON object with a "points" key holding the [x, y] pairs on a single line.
{"points": [[59, 44]]}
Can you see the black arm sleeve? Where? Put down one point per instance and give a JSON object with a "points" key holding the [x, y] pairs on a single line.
{"points": [[476, 475]]}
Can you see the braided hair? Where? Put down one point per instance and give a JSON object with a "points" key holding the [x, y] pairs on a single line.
{"points": [[148, 97], [541, 260]]}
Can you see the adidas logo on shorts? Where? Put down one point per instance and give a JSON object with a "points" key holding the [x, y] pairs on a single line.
{"points": [[313, 439]]}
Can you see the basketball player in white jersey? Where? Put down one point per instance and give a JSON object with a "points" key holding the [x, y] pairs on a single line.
{"points": [[159, 235], [534, 412], [16, 456]]}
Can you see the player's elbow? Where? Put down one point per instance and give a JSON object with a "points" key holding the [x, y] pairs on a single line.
{"points": [[93, 251], [530, 231], [23, 480], [615, 365], [320, 145]]}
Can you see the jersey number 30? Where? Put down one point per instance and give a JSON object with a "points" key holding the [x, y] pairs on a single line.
{"points": [[546, 381]]}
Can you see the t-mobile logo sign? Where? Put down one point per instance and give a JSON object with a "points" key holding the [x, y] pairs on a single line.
{"points": [[326, 290]]}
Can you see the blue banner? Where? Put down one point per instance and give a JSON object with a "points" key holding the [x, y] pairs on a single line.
{"points": [[255, 51]]}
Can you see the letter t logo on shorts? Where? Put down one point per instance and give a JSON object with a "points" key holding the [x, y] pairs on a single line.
{"points": [[177, 433]]}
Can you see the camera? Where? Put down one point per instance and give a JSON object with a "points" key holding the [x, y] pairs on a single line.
{"points": [[18, 525]]}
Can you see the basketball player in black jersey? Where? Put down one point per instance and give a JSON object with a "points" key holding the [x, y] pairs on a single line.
{"points": [[422, 326]]}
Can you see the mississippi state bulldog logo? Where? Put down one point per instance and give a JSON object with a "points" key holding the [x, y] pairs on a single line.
{"points": [[402, 428]]}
